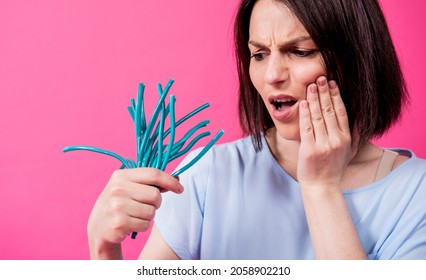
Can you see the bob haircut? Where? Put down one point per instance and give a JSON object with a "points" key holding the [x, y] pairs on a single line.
{"points": [[356, 46]]}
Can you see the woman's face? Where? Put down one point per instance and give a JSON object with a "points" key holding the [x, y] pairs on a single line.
{"points": [[284, 61]]}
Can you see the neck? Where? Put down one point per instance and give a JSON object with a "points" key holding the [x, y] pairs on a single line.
{"points": [[283, 150], [286, 151]]}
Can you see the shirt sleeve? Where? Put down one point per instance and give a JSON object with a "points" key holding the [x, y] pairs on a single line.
{"points": [[415, 247], [406, 240], [180, 217], [412, 228]]}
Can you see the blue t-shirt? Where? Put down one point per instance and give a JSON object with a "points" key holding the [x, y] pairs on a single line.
{"points": [[240, 204]]}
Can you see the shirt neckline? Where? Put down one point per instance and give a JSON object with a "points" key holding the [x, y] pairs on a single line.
{"points": [[402, 151]]}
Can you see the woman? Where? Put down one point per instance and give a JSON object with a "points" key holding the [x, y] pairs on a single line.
{"points": [[318, 80]]}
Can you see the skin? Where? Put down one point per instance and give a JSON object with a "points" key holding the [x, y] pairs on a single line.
{"points": [[128, 204], [312, 143]]}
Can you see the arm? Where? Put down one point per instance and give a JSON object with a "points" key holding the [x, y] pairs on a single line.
{"points": [[325, 151], [156, 248], [127, 204], [332, 232]]}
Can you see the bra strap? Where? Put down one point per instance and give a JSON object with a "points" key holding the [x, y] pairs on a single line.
{"points": [[386, 164]]}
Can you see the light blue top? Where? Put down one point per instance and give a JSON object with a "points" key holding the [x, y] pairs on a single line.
{"points": [[239, 204]]}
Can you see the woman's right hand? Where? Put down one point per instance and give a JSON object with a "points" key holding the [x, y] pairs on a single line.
{"points": [[127, 204]]}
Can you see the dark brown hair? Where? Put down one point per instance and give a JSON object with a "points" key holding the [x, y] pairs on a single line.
{"points": [[355, 43]]}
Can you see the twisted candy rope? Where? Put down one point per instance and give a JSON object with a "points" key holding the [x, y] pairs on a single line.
{"points": [[151, 151]]}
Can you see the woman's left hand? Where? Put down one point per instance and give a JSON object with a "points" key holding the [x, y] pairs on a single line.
{"points": [[326, 144], [325, 151]]}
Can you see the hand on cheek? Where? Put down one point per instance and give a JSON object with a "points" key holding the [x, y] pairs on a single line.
{"points": [[325, 148]]}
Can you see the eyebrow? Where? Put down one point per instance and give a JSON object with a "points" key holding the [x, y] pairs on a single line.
{"points": [[286, 44]]}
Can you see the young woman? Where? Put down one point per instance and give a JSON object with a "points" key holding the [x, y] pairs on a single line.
{"points": [[318, 81]]}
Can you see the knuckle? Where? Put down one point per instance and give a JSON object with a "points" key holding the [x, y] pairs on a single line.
{"points": [[119, 223], [339, 143], [317, 119], [321, 151], [115, 190], [155, 173], [145, 225], [341, 111], [117, 175], [156, 198], [328, 110], [116, 207], [150, 212], [307, 129], [326, 151]]}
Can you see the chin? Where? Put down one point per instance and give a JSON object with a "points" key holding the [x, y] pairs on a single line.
{"points": [[288, 132]]}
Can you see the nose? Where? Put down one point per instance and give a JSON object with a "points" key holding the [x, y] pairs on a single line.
{"points": [[277, 70]]}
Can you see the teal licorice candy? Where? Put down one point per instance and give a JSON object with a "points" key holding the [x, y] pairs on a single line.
{"points": [[156, 146]]}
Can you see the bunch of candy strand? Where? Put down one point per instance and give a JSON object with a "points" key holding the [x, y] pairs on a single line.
{"points": [[151, 149]]}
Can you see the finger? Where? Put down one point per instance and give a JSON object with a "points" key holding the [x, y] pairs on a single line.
{"points": [[137, 225], [145, 194], [121, 224], [141, 211], [327, 106], [305, 124], [154, 177], [339, 107], [317, 119]]}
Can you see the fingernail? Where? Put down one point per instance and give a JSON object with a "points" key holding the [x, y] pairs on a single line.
{"points": [[322, 82], [332, 84], [314, 89]]}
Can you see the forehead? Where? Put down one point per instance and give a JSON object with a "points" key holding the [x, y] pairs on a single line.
{"points": [[272, 19]]}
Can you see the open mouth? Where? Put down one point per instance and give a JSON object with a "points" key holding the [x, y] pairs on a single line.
{"points": [[283, 104]]}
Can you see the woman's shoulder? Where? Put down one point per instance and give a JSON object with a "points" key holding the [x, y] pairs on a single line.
{"points": [[233, 154], [409, 156], [407, 162], [240, 145], [224, 150]]}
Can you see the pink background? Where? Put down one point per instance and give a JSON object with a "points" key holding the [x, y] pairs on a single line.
{"points": [[67, 72]]}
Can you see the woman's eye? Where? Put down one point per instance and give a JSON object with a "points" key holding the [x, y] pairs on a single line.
{"points": [[258, 56], [303, 53]]}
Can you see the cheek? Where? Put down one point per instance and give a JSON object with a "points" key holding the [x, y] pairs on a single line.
{"points": [[308, 73], [256, 77]]}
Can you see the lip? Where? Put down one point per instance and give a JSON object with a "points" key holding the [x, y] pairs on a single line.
{"points": [[288, 113]]}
